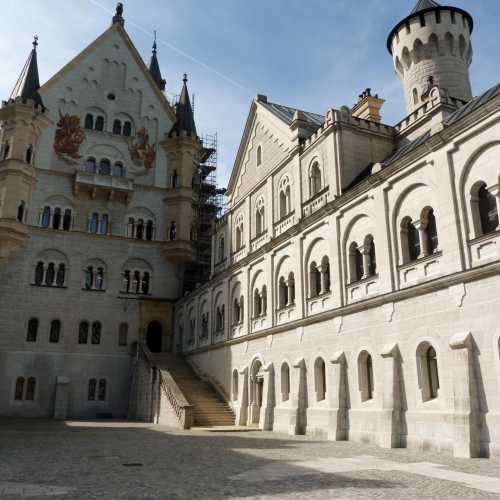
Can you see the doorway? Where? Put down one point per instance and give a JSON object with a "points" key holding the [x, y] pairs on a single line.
{"points": [[154, 336]]}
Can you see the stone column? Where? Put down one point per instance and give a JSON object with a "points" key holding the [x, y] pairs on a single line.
{"points": [[267, 410], [390, 421], [294, 419], [337, 427], [466, 443], [241, 407]]}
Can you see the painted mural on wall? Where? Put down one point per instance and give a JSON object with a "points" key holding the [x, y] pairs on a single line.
{"points": [[141, 152], [69, 137]]}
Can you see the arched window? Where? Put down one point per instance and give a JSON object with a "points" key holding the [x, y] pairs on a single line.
{"points": [[145, 283], [99, 123], [285, 382], [130, 227], [235, 385], [101, 396], [430, 231], [96, 333], [118, 170], [314, 280], [39, 272], [126, 281], [410, 240], [325, 274], [94, 223], [46, 217], [257, 309], [221, 249], [149, 230], [83, 333], [55, 331], [239, 237], [90, 165], [282, 293], [32, 332], [137, 282], [67, 220], [92, 389], [105, 167], [371, 256], [117, 127], [61, 275], [56, 219], [320, 379], [432, 372], [488, 211], [104, 225], [285, 203], [174, 180], [50, 275], [30, 389], [89, 278], [365, 374], [89, 122], [19, 391], [355, 262], [259, 156], [140, 229], [29, 155], [123, 334], [291, 289], [127, 129], [173, 231], [99, 279], [259, 217], [449, 43], [21, 210], [315, 182]]}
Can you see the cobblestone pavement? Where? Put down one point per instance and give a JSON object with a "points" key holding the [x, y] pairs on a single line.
{"points": [[47, 459]]}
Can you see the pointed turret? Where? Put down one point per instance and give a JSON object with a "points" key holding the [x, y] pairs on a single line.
{"points": [[423, 5], [184, 112], [154, 68], [28, 84]]}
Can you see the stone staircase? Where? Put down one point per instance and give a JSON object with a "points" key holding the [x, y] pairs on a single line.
{"points": [[209, 410]]}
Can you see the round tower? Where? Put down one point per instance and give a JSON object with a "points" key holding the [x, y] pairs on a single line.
{"points": [[432, 46]]}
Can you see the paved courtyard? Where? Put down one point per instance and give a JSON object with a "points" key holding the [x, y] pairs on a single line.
{"points": [[88, 460]]}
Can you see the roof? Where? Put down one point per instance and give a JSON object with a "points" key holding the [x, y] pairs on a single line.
{"points": [[154, 69], [28, 83], [424, 5], [471, 106], [285, 114], [184, 113]]}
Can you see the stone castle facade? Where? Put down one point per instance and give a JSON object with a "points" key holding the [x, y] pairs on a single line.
{"points": [[353, 278]]}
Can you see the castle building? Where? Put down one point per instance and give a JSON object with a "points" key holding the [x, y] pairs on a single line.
{"points": [[355, 274], [97, 209], [354, 277]]}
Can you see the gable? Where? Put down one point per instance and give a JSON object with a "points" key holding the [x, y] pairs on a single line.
{"points": [[263, 129]]}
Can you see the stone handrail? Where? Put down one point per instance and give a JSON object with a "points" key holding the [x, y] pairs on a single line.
{"points": [[183, 410]]}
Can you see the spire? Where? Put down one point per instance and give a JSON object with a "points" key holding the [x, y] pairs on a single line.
{"points": [[154, 68], [424, 5], [118, 17], [28, 84], [184, 113]]}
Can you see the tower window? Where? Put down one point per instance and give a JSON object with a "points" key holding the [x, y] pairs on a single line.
{"points": [[55, 332], [32, 332], [422, 20], [29, 154]]}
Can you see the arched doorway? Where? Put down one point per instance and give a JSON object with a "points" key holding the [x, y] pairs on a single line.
{"points": [[154, 336], [256, 392]]}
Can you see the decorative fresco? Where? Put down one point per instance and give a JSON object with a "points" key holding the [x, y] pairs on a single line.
{"points": [[141, 151], [69, 137]]}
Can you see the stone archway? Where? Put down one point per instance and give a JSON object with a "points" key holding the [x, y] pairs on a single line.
{"points": [[154, 336], [256, 392]]}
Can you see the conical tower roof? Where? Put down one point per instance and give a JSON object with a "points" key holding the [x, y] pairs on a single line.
{"points": [[28, 83], [184, 112], [423, 5], [154, 68]]}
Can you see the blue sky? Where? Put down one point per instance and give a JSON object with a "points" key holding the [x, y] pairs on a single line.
{"points": [[313, 54]]}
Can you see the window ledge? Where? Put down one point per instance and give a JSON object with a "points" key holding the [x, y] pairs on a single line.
{"points": [[484, 237], [363, 280], [49, 286], [285, 308], [93, 290], [136, 294], [432, 256]]}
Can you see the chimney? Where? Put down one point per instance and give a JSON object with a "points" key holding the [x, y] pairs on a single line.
{"points": [[368, 107]]}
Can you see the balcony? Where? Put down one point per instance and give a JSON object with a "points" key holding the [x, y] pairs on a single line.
{"points": [[112, 187], [286, 222], [178, 251], [314, 204], [320, 303], [362, 289], [258, 241], [423, 269]]}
